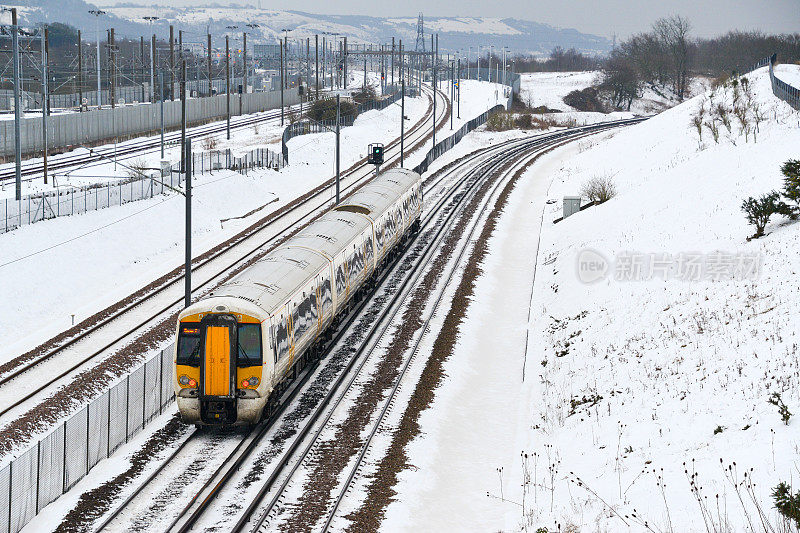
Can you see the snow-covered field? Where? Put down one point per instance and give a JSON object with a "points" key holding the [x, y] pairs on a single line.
{"points": [[638, 402], [72, 265], [550, 88]]}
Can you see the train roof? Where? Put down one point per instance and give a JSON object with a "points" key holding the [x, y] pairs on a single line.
{"points": [[271, 280], [379, 194], [330, 232]]}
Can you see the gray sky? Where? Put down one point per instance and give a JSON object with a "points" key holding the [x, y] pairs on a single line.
{"points": [[602, 17]]}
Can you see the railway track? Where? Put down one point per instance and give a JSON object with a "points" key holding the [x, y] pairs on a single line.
{"points": [[246, 447], [129, 149], [124, 325], [285, 466]]}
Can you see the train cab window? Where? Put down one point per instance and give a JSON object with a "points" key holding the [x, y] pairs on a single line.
{"points": [[249, 345], [189, 344]]}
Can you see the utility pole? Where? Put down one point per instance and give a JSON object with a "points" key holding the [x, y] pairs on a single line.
{"points": [[97, 13], [80, 71], [244, 71], [210, 83], [17, 117], [316, 61], [308, 66], [344, 68], [141, 56], [402, 119], [183, 108], [433, 86], [452, 90], [113, 69], [281, 45], [228, 88], [187, 278], [171, 62], [337, 149], [161, 99], [45, 100], [152, 67], [459, 87], [392, 64], [365, 73]]}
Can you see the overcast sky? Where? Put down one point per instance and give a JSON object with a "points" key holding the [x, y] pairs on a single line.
{"points": [[602, 17]]}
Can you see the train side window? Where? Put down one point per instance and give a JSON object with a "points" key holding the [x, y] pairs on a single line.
{"points": [[189, 344], [341, 281], [249, 350], [281, 339], [296, 323], [327, 295], [312, 298]]}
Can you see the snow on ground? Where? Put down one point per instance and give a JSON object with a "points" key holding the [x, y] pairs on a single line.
{"points": [[71, 265], [549, 88], [629, 387]]}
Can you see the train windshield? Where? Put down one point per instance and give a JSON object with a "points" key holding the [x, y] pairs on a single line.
{"points": [[189, 344], [249, 345]]}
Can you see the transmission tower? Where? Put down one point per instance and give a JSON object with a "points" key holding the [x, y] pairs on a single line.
{"points": [[420, 47]]}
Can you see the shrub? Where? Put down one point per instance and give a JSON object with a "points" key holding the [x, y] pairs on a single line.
{"points": [[791, 186], [599, 189], [500, 122], [524, 122], [325, 109], [759, 210], [136, 169], [786, 503], [584, 100], [210, 143], [364, 95], [777, 401]]}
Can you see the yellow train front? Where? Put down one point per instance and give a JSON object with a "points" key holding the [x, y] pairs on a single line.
{"points": [[219, 364], [239, 348]]}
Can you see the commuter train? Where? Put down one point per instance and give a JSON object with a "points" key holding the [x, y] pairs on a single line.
{"points": [[239, 348]]}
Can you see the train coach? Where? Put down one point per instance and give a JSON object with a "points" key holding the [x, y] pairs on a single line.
{"points": [[239, 348]]}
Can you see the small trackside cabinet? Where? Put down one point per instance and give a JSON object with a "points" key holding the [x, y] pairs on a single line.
{"points": [[572, 204]]}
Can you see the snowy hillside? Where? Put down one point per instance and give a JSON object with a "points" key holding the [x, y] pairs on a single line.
{"points": [[454, 32], [635, 381], [640, 401]]}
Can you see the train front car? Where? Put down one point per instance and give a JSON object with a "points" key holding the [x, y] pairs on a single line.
{"points": [[219, 362]]}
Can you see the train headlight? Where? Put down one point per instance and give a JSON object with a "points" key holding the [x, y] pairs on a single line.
{"points": [[250, 383], [186, 381]]}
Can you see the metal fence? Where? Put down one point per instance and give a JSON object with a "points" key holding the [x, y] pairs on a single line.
{"points": [[445, 145], [126, 93], [781, 89], [91, 127], [44, 206], [63, 457], [207, 162]]}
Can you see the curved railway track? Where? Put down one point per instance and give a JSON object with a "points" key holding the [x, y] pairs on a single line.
{"points": [[447, 206], [123, 325]]}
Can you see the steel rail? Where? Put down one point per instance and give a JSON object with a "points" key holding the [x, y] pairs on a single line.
{"points": [[420, 130]]}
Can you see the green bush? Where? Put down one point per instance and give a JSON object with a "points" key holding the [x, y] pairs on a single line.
{"points": [[786, 503], [759, 211], [791, 187], [325, 109]]}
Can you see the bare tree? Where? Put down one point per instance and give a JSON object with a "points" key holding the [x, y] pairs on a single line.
{"points": [[673, 33]]}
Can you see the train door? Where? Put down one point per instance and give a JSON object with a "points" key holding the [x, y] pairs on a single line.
{"points": [[218, 369]]}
